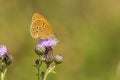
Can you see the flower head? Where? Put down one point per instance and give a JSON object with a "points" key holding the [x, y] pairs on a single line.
{"points": [[4, 56], [50, 42], [39, 49], [3, 51], [58, 59]]}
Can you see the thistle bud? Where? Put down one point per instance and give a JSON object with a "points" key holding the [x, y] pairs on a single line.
{"points": [[48, 57], [58, 59], [39, 49]]}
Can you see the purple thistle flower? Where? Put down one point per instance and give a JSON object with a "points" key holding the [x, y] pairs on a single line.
{"points": [[3, 51], [50, 42]]}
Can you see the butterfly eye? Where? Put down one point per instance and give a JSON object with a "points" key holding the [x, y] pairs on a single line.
{"points": [[43, 25]]}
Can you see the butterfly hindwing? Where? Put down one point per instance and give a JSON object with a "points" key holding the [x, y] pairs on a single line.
{"points": [[40, 27]]}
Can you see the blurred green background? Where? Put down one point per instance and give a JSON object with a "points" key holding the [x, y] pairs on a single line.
{"points": [[88, 33]]}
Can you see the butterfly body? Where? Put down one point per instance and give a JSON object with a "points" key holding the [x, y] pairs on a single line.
{"points": [[40, 27]]}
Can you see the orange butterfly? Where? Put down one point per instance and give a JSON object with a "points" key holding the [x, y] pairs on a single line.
{"points": [[40, 27]]}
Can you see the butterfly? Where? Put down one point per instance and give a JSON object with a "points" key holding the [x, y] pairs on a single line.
{"points": [[40, 27]]}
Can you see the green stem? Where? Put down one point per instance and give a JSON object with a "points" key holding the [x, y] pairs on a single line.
{"points": [[38, 67], [49, 69], [3, 74], [38, 73]]}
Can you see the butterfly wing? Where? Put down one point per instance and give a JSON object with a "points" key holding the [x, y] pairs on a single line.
{"points": [[40, 27]]}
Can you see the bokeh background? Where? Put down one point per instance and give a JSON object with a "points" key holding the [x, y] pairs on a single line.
{"points": [[88, 33]]}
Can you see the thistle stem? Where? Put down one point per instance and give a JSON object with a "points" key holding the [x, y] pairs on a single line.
{"points": [[49, 69], [38, 73], [3, 74], [38, 68]]}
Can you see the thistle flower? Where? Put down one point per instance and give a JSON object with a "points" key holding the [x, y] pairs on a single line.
{"points": [[4, 56], [44, 49], [6, 60], [50, 42], [44, 45], [3, 51]]}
